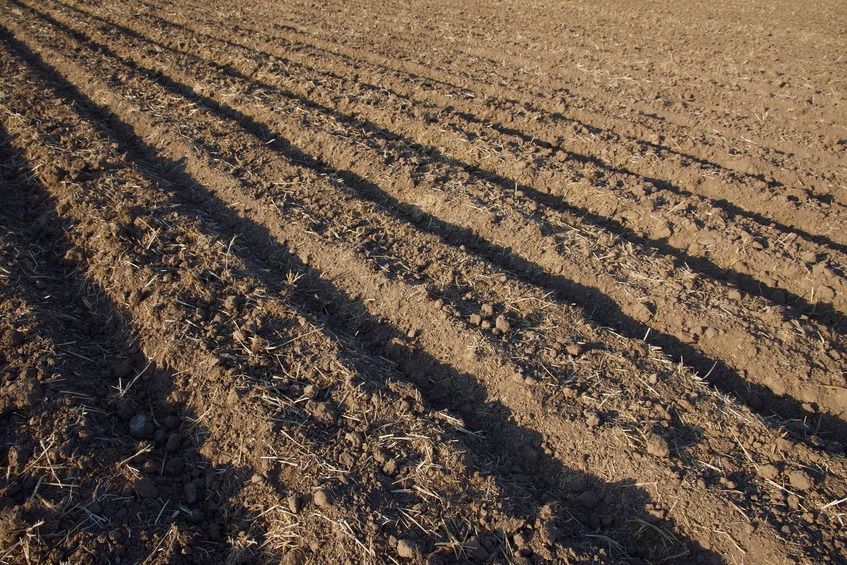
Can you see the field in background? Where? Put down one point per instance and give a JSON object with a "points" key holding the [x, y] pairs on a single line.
{"points": [[495, 282]]}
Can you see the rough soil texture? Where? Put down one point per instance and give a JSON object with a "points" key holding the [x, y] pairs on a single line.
{"points": [[431, 282]]}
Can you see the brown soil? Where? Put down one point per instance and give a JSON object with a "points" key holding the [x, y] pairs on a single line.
{"points": [[428, 282]]}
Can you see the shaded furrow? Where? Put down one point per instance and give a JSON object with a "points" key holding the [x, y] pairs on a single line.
{"points": [[724, 239], [430, 71], [250, 214], [574, 291], [792, 209], [116, 125], [481, 65], [218, 367], [721, 245]]}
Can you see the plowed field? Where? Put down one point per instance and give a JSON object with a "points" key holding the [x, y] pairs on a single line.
{"points": [[429, 281]]}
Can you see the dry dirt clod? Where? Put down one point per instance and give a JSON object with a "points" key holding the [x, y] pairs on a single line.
{"points": [[324, 413], [589, 499], [15, 338], [22, 394], [294, 503], [16, 458], [768, 471], [125, 409], [123, 369], [146, 488], [233, 303], [190, 490], [294, 557], [407, 549], [657, 446], [174, 443], [476, 550], [311, 392], [390, 468], [502, 324], [574, 350], [800, 480]]}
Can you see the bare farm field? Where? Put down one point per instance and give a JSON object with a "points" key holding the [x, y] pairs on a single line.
{"points": [[423, 282]]}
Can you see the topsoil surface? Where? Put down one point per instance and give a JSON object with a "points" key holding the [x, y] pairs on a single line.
{"points": [[432, 282]]}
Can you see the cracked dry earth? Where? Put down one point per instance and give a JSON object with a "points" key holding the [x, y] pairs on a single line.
{"points": [[423, 282]]}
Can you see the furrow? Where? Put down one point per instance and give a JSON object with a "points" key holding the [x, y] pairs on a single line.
{"points": [[219, 153], [702, 136], [259, 365], [734, 346], [476, 64], [716, 245], [355, 278]]}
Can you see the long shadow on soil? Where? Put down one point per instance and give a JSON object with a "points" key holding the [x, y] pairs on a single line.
{"points": [[824, 312], [522, 481], [603, 308], [795, 305], [699, 264], [97, 357], [726, 205]]}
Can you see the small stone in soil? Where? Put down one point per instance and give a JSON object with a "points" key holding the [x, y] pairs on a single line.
{"points": [[321, 498], [502, 324], [294, 504], [140, 426]]}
